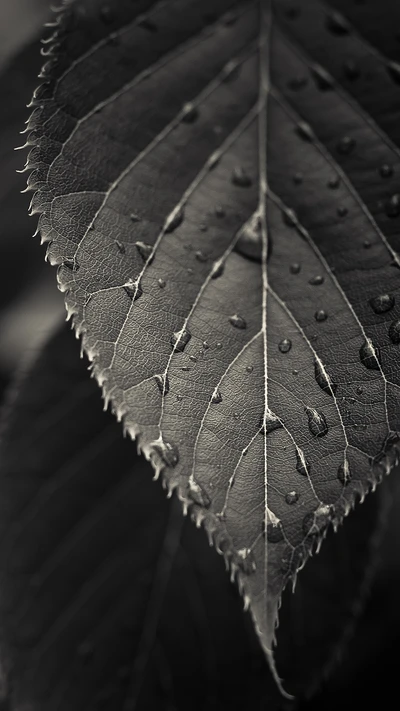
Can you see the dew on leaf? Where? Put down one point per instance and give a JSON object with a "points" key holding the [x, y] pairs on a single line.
{"points": [[369, 356], [351, 69], [285, 345], [298, 178], [322, 378], [360, 390], [193, 358], [342, 211], [316, 521], [382, 303], [346, 145], [320, 315], [394, 332], [216, 397], [269, 423], [198, 495], [333, 182], [133, 290], [366, 244], [240, 177], [316, 280], [134, 217], [249, 241], [237, 321], [180, 339], [274, 532], [344, 474], [162, 384], [302, 464], [161, 283], [393, 69], [291, 497], [386, 170], [295, 268], [179, 398], [120, 247], [304, 130], [218, 346], [190, 113], [245, 561], [217, 270], [249, 368], [168, 452], [200, 256], [206, 345], [323, 79], [337, 24], [219, 211], [392, 206], [147, 24], [316, 422], [174, 220]]}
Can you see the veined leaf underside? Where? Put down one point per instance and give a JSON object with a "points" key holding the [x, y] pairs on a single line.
{"points": [[221, 198]]}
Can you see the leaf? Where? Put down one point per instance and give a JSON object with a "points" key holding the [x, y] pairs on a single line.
{"points": [[108, 594], [220, 193]]}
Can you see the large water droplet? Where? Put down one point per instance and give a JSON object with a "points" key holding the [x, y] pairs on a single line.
{"points": [[394, 332], [161, 283], [145, 250], [174, 220], [316, 422], [249, 241], [303, 466], [323, 379], [240, 177], [382, 303], [342, 211], [133, 290], [346, 145], [168, 452], [216, 397], [269, 423], [190, 113], [316, 280], [323, 79], [316, 521], [337, 24], [333, 182], [274, 532], [285, 345], [180, 339], [291, 497], [198, 495], [369, 356], [344, 474], [237, 321], [392, 206]]}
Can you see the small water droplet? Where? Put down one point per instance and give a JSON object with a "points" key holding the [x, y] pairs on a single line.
{"points": [[382, 303], [346, 145], [297, 83], [240, 177], [386, 170], [322, 378], [333, 182], [323, 79], [295, 372], [200, 256], [193, 358], [393, 69], [206, 345], [147, 24], [351, 69], [107, 15], [289, 217], [237, 321], [189, 271], [162, 283], [316, 521], [302, 464], [369, 356], [179, 398], [291, 497], [246, 561], [133, 290], [203, 227], [249, 368], [120, 247], [342, 211], [274, 532], [298, 178], [219, 211], [218, 346], [320, 315], [316, 422], [216, 397], [337, 24], [174, 220], [168, 452], [304, 130], [316, 280], [217, 270], [190, 113], [295, 268], [180, 339], [185, 368], [392, 206], [162, 384], [145, 250], [285, 345], [134, 217], [394, 332], [366, 244], [249, 241], [360, 390], [198, 495], [344, 474]]}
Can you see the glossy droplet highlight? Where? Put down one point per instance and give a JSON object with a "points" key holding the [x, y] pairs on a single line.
{"points": [[346, 145], [392, 206], [145, 250], [344, 474], [342, 211], [237, 321], [180, 339], [337, 24], [285, 345], [241, 178], [320, 315], [393, 69], [162, 283], [394, 332], [295, 268], [168, 452], [304, 130], [174, 220], [216, 397], [249, 368], [369, 356], [190, 113], [274, 532], [333, 182], [198, 495], [162, 384], [291, 497], [316, 422], [249, 241], [351, 69], [322, 378], [133, 290], [316, 280], [245, 560], [217, 270], [219, 211], [382, 303], [322, 78], [269, 423], [316, 521], [386, 171], [302, 464]]}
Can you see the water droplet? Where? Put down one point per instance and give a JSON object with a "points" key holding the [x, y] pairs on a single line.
{"points": [[246, 561], [162, 283], [386, 170], [316, 422], [193, 358], [162, 384], [174, 220], [295, 372], [382, 303], [360, 390], [297, 83], [198, 495], [304, 130], [219, 211], [342, 211], [216, 397], [179, 398], [292, 560], [333, 182], [237, 321], [190, 113], [322, 378], [337, 24], [249, 368], [295, 268], [289, 217], [316, 521], [393, 69], [320, 315], [298, 178], [323, 79], [344, 474], [394, 332], [134, 217], [206, 345], [107, 15], [133, 290], [302, 464], [366, 244], [369, 356], [145, 250], [147, 24], [392, 206], [217, 270], [269, 423], [185, 368], [249, 241], [200, 256], [231, 71], [71, 264], [218, 346], [285, 345], [346, 145], [351, 69], [291, 497], [168, 452], [274, 532], [240, 177], [316, 280], [120, 247], [180, 339], [203, 227]]}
